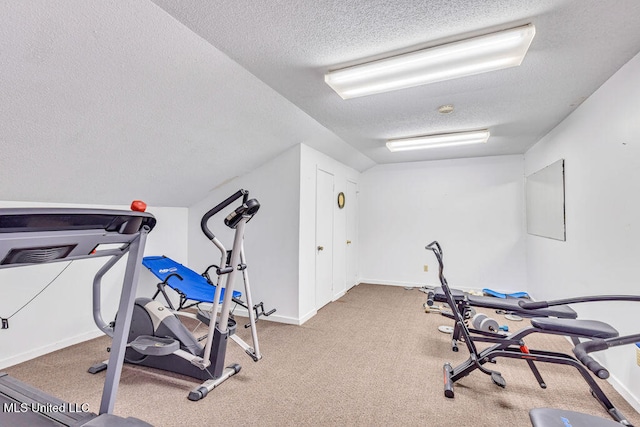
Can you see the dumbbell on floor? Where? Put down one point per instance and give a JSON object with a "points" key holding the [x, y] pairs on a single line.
{"points": [[482, 322]]}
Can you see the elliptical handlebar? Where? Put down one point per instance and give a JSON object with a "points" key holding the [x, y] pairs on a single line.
{"points": [[248, 208], [217, 208]]}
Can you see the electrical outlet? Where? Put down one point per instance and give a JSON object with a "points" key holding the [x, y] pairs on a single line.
{"points": [[426, 267]]}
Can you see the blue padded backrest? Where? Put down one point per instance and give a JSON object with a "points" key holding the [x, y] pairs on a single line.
{"points": [[194, 286]]}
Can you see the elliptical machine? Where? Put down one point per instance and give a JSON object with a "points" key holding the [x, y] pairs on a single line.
{"points": [[157, 338]]}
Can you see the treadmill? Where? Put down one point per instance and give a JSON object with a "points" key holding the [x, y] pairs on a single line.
{"points": [[30, 236]]}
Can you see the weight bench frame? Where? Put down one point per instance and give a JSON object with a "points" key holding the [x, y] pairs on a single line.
{"points": [[465, 302]]}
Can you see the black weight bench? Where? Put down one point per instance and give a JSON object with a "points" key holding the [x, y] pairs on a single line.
{"points": [[465, 302], [548, 417], [508, 305], [600, 336]]}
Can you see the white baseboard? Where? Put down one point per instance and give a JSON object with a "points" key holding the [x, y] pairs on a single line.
{"points": [[412, 284], [41, 351], [339, 295], [275, 317], [307, 316], [625, 393], [395, 283]]}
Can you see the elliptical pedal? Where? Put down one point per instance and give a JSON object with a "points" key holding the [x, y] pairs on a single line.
{"points": [[154, 346]]}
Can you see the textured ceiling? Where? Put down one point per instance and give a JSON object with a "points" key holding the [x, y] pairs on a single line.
{"points": [[106, 101], [290, 45]]}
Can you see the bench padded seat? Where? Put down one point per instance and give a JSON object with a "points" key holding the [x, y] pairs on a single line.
{"points": [[575, 327], [547, 417]]}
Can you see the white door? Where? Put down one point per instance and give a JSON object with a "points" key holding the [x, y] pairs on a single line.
{"points": [[351, 207], [324, 238]]}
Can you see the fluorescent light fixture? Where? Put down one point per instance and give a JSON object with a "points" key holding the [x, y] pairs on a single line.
{"points": [[436, 141], [476, 55]]}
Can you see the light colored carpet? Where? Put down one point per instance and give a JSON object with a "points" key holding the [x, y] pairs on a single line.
{"points": [[372, 358]]}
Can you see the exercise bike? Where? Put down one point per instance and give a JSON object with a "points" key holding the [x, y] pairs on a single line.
{"points": [[157, 337]]}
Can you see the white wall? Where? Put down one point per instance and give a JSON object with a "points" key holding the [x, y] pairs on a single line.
{"points": [[271, 237], [600, 142], [62, 314], [310, 160], [473, 207], [280, 240]]}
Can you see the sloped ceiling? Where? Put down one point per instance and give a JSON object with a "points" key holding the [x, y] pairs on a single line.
{"points": [[107, 101]]}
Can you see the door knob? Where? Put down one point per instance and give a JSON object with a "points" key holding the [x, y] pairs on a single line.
{"points": [[348, 242], [320, 248]]}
